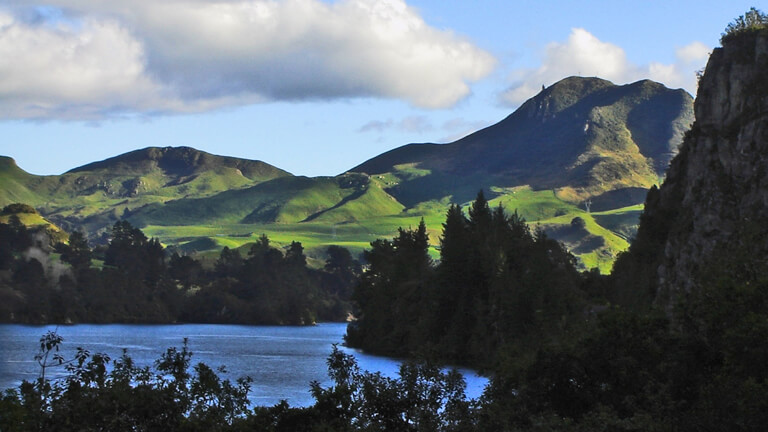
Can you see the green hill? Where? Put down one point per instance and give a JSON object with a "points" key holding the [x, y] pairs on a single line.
{"points": [[15, 184], [96, 195], [284, 200], [581, 137], [583, 150]]}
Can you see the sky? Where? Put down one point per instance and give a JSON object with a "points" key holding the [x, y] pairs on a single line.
{"points": [[314, 87]]}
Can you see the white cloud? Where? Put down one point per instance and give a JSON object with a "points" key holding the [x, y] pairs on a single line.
{"points": [[66, 72], [144, 56], [695, 52], [584, 54]]}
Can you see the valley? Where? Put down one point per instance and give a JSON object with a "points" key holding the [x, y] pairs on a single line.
{"points": [[574, 161]]}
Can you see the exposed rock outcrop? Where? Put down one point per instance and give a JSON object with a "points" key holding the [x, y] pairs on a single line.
{"points": [[714, 201]]}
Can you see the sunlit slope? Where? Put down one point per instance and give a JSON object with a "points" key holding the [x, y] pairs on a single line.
{"points": [[573, 161], [324, 200], [581, 137], [15, 184], [33, 221], [95, 195]]}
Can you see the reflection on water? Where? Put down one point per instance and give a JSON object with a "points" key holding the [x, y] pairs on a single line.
{"points": [[281, 360]]}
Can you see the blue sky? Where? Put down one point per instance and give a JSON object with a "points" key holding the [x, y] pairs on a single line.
{"points": [[313, 87]]}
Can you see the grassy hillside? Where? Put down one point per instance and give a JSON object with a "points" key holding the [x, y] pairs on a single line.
{"points": [[15, 184], [33, 221], [96, 195], [581, 136], [582, 144]]}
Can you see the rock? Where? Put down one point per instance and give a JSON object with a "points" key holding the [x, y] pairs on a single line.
{"points": [[715, 196]]}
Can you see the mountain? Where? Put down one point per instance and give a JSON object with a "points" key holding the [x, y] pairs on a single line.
{"points": [[581, 137], [576, 160], [181, 165], [95, 195], [709, 219]]}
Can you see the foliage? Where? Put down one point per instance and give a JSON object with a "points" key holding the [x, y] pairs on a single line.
{"points": [[103, 394], [76, 253], [18, 208], [753, 20], [422, 398], [139, 282], [497, 285]]}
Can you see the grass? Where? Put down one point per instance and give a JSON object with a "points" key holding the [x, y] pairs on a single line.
{"points": [[350, 210], [338, 226]]}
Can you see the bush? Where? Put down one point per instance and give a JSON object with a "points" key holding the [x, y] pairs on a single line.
{"points": [[753, 20], [17, 208]]}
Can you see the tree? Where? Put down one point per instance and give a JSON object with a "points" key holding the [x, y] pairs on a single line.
{"points": [[229, 263], [295, 257], [101, 394], [185, 269], [750, 21], [342, 270], [134, 254], [20, 240], [76, 253], [391, 292]]}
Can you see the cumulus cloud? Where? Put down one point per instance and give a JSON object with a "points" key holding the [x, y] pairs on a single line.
{"points": [[65, 72], [95, 59], [585, 55]]}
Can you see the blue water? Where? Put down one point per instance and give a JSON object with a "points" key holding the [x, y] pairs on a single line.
{"points": [[281, 360]]}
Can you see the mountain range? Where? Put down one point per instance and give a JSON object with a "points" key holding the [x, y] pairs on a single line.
{"points": [[576, 160]]}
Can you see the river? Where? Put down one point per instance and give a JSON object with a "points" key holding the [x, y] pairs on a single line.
{"points": [[281, 360]]}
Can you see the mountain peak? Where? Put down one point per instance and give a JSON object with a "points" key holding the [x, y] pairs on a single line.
{"points": [[580, 136], [566, 92], [179, 161]]}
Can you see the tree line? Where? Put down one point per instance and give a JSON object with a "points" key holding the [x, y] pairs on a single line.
{"points": [[627, 372], [498, 287], [570, 351], [142, 282]]}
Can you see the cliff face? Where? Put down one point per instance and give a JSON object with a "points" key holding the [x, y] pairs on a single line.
{"points": [[713, 205]]}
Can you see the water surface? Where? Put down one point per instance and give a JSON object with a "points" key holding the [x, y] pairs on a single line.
{"points": [[281, 360]]}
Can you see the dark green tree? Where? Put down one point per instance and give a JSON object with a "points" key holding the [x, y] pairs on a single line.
{"points": [[750, 21], [391, 291], [229, 264], [342, 271], [77, 253], [134, 254], [185, 269]]}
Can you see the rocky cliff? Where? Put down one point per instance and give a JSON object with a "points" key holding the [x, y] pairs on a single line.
{"points": [[711, 214]]}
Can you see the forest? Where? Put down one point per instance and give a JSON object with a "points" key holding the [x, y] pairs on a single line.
{"points": [[138, 281], [560, 353]]}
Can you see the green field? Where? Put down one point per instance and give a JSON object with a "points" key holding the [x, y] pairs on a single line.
{"points": [[338, 226]]}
